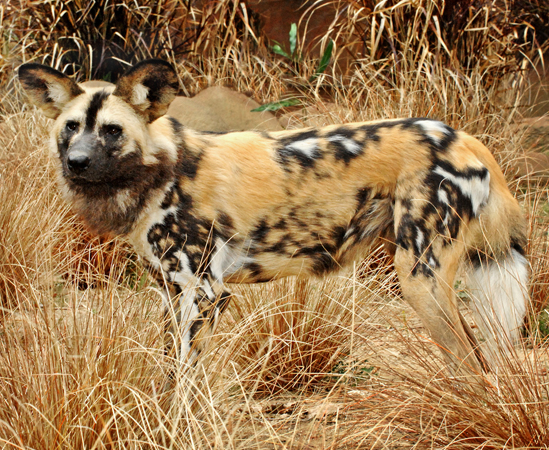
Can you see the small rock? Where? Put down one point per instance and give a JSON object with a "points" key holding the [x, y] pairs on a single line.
{"points": [[96, 84], [221, 109], [533, 164]]}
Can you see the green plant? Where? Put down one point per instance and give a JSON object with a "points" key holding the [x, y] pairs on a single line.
{"points": [[351, 373], [543, 324], [279, 50], [294, 57]]}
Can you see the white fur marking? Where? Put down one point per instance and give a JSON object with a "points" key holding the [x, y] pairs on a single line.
{"points": [[307, 146], [500, 298], [446, 219], [166, 143], [433, 126], [349, 231], [419, 240], [350, 145], [183, 261], [226, 260], [377, 212], [139, 94], [58, 93], [207, 288], [124, 199], [476, 188], [189, 312], [443, 197]]}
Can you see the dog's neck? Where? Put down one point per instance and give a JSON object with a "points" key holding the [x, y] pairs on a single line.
{"points": [[114, 208]]}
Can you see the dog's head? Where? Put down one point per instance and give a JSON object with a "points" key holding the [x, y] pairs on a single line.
{"points": [[101, 135]]}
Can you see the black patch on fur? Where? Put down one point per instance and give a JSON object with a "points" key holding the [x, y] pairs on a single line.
{"points": [[341, 152], [377, 210], [322, 256], [224, 229], [338, 236], [407, 238], [95, 105], [281, 224], [225, 221], [279, 247], [362, 197], [177, 127], [518, 246], [35, 83], [256, 272], [155, 83], [188, 162], [436, 145], [169, 197], [260, 232], [223, 301], [460, 205], [371, 130], [478, 258], [29, 75], [129, 173], [468, 174], [183, 231], [63, 142]]}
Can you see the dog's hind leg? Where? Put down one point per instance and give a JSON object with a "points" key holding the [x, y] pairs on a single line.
{"points": [[430, 293], [426, 263]]}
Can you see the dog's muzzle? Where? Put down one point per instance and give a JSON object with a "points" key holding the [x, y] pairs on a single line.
{"points": [[78, 162]]}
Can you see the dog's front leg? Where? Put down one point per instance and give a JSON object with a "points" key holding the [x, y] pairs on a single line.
{"points": [[180, 312], [191, 312]]}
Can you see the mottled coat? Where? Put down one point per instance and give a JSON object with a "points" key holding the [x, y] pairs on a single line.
{"points": [[203, 209]]}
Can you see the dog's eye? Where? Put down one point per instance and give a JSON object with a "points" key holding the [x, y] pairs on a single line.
{"points": [[112, 130], [72, 126]]}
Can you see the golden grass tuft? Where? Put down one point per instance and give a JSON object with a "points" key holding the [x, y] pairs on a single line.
{"points": [[439, 410], [291, 333], [30, 211]]}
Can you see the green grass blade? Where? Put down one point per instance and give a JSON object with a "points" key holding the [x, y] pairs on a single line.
{"points": [[280, 51], [273, 106], [325, 60], [293, 39]]}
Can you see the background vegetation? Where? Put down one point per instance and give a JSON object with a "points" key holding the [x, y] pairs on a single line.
{"points": [[338, 363]]}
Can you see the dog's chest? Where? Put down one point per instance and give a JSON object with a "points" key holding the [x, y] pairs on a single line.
{"points": [[170, 235]]}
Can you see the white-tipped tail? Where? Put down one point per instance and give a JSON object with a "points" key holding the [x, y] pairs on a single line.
{"points": [[499, 290]]}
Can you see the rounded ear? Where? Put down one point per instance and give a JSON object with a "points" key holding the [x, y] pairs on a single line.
{"points": [[47, 88], [149, 87]]}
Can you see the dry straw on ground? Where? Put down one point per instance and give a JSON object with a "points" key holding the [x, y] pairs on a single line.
{"points": [[335, 364]]}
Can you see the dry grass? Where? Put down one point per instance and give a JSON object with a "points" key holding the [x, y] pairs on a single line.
{"points": [[328, 364], [100, 39]]}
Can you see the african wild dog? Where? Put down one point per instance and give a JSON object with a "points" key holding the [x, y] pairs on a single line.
{"points": [[204, 208]]}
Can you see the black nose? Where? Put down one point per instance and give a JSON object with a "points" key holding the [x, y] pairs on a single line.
{"points": [[78, 162]]}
